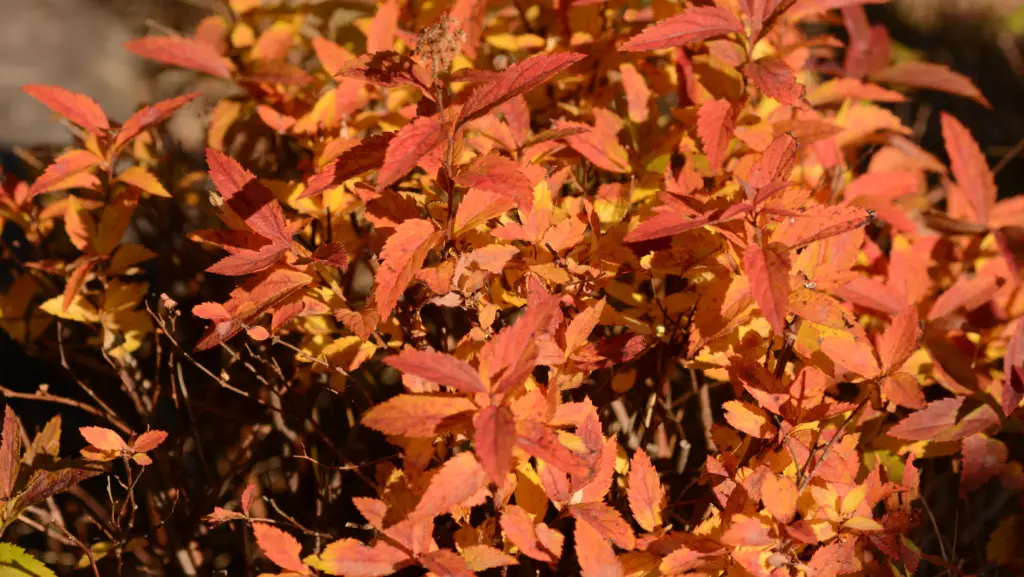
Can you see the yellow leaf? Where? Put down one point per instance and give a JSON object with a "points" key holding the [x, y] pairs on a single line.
{"points": [[864, 524], [852, 500], [80, 310], [141, 178]]}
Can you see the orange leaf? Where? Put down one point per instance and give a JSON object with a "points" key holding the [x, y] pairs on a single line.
{"points": [[690, 25], [716, 123], [415, 415], [147, 117], [211, 311], [665, 222], [984, 458], [403, 255], [518, 527], [517, 79], [779, 495], [602, 150], [149, 440], [352, 558], [332, 57], [58, 176], [10, 452], [637, 93], [775, 79], [607, 522], [144, 180], [578, 332], [748, 419], [461, 481], [595, 554], [78, 108], [498, 175], [494, 435], [935, 420], [904, 390], [438, 368], [445, 562], [932, 76], [900, 340], [541, 442], [646, 494], [854, 355], [103, 439], [410, 144], [768, 271], [281, 548], [484, 557], [471, 16], [381, 35], [969, 167], [746, 531], [820, 222], [966, 293], [183, 53], [249, 199], [776, 162], [366, 155]]}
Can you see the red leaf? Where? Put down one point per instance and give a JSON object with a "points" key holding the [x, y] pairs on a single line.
{"points": [[361, 323], [900, 340], [820, 222], [461, 482], [601, 149], [776, 162], [410, 144], [249, 199], [78, 108], [517, 79], [984, 458], [768, 271], [243, 262], [183, 53], [10, 452], [280, 547], [931, 76], [889, 185], [366, 155], [746, 531], [416, 415], [934, 421], [969, 167], [471, 17], [716, 123], [775, 79], [1013, 360], [211, 312], [403, 255], [594, 553], [445, 562], [353, 559], [966, 293], [498, 175], [381, 35], [665, 222], [103, 439], [332, 254], [438, 368], [147, 117], [493, 438], [646, 494], [691, 25], [149, 440]]}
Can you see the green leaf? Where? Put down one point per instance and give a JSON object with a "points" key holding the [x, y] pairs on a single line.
{"points": [[16, 562]]}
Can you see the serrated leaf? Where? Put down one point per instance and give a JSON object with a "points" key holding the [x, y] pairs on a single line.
{"points": [[519, 529], [103, 439], [966, 293], [595, 554], [646, 494], [638, 95], [142, 179], [403, 255], [280, 547], [249, 199], [779, 495], [775, 79], [16, 562], [461, 481], [818, 223], [184, 53], [969, 167], [691, 25], [899, 340], [147, 117], [932, 76], [498, 175], [67, 171], [517, 79], [716, 123], [904, 390], [410, 144], [78, 108], [367, 155], [10, 452], [149, 440], [983, 459], [484, 557], [748, 419], [768, 271], [494, 435]]}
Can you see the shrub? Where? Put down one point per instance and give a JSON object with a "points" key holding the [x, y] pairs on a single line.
{"points": [[587, 288]]}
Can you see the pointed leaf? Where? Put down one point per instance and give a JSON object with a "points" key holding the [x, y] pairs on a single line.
{"points": [[820, 222], [184, 53], [149, 440], [249, 199], [461, 481], [494, 435], [595, 554], [10, 452], [607, 522], [403, 255], [366, 155], [716, 123], [409, 145], [517, 79], [769, 283], [779, 495], [904, 390], [775, 79], [932, 76], [280, 547], [646, 494], [78, 108], [519, 529], [415, 415], [147, 117], [103, 439], [900, 340], [969, 167], [351, 558], [438, 368], [984, 458], [498, 175], [966, 293], [691, 25]]}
